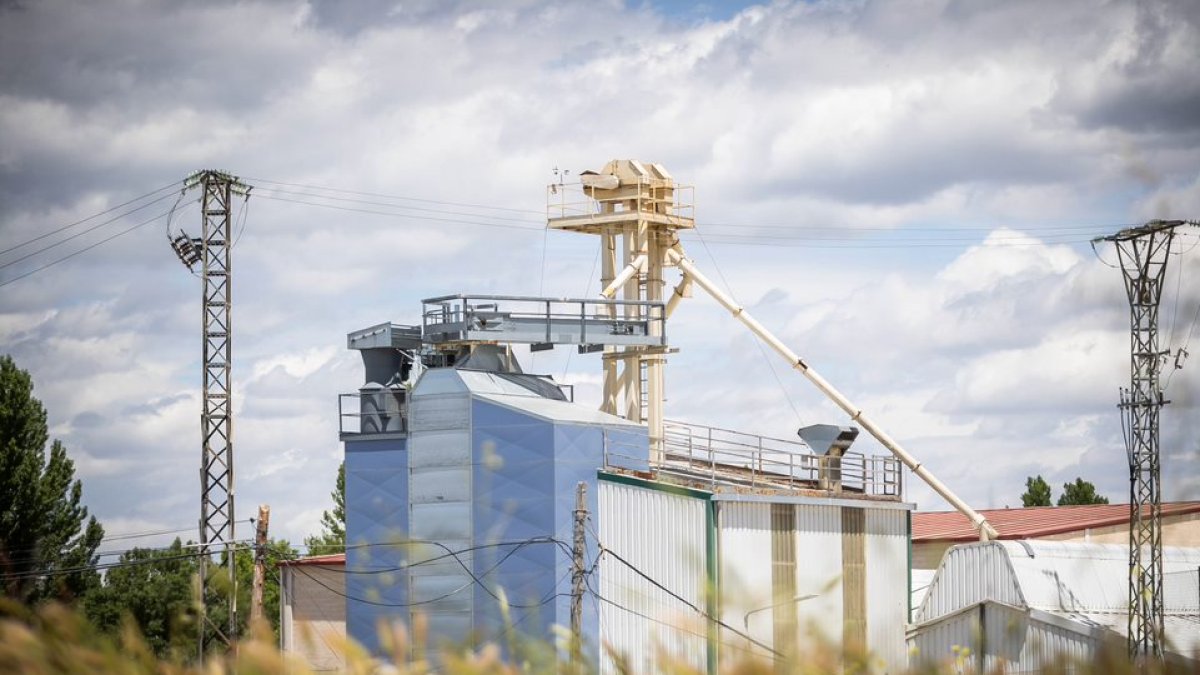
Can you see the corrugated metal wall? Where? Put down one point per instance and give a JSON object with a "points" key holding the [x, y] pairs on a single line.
{"points": [[887, 585], [999, 635], [440, 491], [819, 540], [978, 571], [851, 559], [663, 535], [744, 543]]}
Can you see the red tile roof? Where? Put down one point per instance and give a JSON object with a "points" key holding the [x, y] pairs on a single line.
{"points": [[331, 559], [1032, 522]]}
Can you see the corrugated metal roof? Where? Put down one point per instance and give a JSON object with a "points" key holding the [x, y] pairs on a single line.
{"points": [[1081, 587], [555, 411], [1067, 578], [1032, 522]]}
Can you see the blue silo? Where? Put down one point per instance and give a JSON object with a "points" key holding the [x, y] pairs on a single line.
{"points": [[461, 491]]}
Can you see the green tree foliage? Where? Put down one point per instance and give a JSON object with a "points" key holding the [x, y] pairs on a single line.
{"points": [[1080, 492], [332, 538], [277, 550], [154, 588], [47, 541], [1037, 492]]}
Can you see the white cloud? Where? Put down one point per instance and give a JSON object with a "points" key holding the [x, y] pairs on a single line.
{"points": [[952, 174]]}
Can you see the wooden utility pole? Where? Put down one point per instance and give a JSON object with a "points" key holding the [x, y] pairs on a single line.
{"points": [[260, 562], [578, 573]]}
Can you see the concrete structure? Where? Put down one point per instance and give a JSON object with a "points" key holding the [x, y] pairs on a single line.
{"points": [[1020, 604], [935, 532], [312, 607]]}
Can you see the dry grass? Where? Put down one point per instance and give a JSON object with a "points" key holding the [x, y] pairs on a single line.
{"points": [[56, 639]]}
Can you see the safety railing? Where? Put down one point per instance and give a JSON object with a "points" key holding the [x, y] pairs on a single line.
{"points": [[373, 411], [512, 318], [575, 201], [724, 457]]}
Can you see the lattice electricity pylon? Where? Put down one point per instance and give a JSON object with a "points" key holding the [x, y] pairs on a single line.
{"points": [[216, 419], [1143, 252]]}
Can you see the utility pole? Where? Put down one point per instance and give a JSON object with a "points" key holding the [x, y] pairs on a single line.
{"points": [[1143, 252], [578, 574], [260, 562], [211, 253]]}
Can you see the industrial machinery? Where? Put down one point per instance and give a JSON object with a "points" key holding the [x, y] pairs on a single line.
{"points": [[640, 206]]}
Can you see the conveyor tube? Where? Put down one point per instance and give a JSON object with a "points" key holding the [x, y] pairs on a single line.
{"points": [[986, 531]]}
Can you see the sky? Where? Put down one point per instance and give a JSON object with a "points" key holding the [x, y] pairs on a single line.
{"points": [[904, 191]]}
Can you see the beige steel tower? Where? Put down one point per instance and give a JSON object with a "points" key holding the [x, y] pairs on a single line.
{"points": [[641, 206], [637, 209]]}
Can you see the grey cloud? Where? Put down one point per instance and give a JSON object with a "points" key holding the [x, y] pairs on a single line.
{"points": [[1154, 89], [152, 407], [88, 420]]}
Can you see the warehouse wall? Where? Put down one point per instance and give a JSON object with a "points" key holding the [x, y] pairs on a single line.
{"points": [[313, 622], [663, 532], [849, 578]]}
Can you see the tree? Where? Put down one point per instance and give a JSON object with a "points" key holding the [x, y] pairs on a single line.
{"points": [[1080, 492], [47, 540], [1037, 492], [332, 538], [155, 589]]}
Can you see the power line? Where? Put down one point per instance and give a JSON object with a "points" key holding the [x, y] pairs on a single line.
{"points": [[757, 343], [426, 561], [396, 197], [79, 234], [674, 626], [474, 578], [401, 215], [84, 220], [86, 248], [685, 601], [976, 228], [395, 206], [54, 572], [132, 535], [849, 244]]}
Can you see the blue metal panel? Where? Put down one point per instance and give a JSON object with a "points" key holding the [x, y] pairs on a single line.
{"points": [[578, 453], [376, 514], [514, 502]]}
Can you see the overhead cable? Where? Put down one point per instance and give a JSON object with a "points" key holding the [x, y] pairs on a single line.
{"points": [[79, 234], [87, 248], [396, 197], [91, 217]]}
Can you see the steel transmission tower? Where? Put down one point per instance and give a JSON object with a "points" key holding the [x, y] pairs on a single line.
{"points": [[211, 253], [1143, 252]]}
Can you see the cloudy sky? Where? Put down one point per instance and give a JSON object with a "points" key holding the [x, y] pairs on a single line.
{"points": [[903, 190]]}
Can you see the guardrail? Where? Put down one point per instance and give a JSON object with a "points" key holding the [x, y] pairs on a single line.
{"points": [[578, 201], [721, 457], [514, 318], [381, 411]]}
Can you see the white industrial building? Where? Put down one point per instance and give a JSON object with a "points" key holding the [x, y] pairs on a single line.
{"points": [[1021, 604], [782, 563], [704, 545]]}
